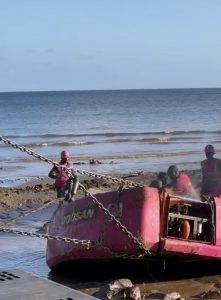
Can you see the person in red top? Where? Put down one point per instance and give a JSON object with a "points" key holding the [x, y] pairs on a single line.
{"points": [[61, 176], [180, 181], [211, 173]]}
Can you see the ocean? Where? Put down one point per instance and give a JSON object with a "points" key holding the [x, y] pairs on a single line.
{"points": [[127, 131]]}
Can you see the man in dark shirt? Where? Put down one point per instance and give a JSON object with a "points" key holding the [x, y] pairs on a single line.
{"points": [[211, 173]]}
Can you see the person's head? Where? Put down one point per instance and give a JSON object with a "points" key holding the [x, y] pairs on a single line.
{"points": [[173, 172], [156, 184], [209, 151], [162, 176], [64, 156]]}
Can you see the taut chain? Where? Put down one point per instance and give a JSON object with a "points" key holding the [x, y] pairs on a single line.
{"points": [[77, 171], [94, 199], [87, 243]]}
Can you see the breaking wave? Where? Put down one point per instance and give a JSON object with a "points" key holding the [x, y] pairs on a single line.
{"points": [[115, 156], [163, 139], [115, 134]]}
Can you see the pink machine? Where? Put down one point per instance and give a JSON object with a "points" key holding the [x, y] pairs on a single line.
{"points": [[162, 224]]}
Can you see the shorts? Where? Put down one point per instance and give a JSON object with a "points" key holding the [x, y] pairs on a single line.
{"points": [[61, 192]]}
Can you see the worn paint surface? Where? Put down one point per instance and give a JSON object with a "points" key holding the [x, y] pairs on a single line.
{"points": [[137, 209]]}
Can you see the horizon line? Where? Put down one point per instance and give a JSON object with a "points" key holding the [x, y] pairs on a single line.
{"points": [[97, 90]]}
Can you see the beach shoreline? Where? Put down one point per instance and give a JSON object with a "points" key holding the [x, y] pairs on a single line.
{"points": [[38, 192]]}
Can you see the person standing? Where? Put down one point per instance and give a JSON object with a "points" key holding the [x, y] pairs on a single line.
{"points": [[62, 175], [211, 173]]}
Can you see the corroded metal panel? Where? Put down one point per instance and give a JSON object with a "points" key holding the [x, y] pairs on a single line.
{"points": [[20, 285]]}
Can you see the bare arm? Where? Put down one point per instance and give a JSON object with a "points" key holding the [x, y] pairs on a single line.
{"points": [[53, 173]]}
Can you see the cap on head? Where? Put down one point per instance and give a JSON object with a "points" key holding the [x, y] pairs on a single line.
{"points": [[65, 154], [173, 172], [209, 149]]}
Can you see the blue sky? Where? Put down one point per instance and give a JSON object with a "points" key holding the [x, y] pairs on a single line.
{"points": [[109, 44]]}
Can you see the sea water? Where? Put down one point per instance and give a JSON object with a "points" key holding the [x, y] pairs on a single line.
{"points": [[126, 130]]}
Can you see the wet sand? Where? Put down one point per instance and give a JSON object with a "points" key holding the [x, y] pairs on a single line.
{"points": [[190, 280], [152, 283], [36, 193]]}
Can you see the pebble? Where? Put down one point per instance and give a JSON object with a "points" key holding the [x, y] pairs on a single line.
{"points": [[120, 283], [133, 293], [172, 296]]}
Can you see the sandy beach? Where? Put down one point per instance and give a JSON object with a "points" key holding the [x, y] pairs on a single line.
{"points": [[36, 193]]}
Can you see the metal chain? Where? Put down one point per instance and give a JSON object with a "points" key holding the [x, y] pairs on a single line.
{"points": [[100, 205], [119, 255], [21, 216], [107, 220], [87, 243], [100, 238], [118, 223], [76, 171]]}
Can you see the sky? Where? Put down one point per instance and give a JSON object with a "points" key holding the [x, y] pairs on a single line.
{"points": [[109, 44]]}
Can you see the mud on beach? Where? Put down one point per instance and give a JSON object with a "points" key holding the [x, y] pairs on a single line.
{"points": [[36, 193], [152, 281]]}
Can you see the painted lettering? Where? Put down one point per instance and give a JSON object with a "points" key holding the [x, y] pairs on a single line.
{"points": [[116, 209], [79, 216]]}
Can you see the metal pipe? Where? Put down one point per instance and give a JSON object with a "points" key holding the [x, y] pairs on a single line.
{"points": [[187, 199]]}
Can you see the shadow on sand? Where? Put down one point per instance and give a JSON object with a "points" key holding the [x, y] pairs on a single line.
{"points": [[82, 275]]}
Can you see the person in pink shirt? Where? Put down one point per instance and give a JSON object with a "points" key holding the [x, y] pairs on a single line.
{"points": [[180, 181], [62, 176]]}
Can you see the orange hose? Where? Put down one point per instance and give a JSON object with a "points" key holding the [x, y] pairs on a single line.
{"points": [[185, 229]]}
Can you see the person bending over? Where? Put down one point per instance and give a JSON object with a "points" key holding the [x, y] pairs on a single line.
{"points": [[180, 181]]}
